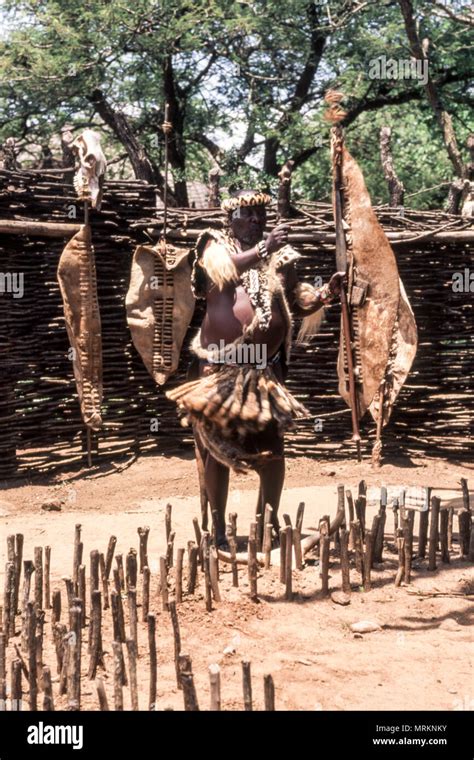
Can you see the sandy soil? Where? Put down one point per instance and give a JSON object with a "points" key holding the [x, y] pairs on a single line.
{"points": [[421, 658]]}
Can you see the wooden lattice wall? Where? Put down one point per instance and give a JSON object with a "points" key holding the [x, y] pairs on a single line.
{"points": [[40, 425]]}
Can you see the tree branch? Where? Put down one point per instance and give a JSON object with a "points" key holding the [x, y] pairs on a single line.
{"points": [[442, 116]]}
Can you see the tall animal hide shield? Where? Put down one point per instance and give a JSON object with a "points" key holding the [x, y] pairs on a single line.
{"points": [[78, 285], [383, 324], [160, 305]]}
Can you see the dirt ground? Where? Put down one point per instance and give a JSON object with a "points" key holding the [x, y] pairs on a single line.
{"points": [[421, 658]]}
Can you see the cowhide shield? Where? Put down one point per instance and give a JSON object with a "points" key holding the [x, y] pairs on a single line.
{"points": [[78, 285], [160, 305], [383, 325]]}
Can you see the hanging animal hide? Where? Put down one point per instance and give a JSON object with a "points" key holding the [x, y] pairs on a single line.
{"points": [[383, 324], [160, 305], [91, 166], [78, 285]]}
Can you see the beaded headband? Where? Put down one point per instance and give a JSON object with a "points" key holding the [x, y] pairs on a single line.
{"points": [[249, 199]]}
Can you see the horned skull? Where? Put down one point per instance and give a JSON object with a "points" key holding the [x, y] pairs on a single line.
{"points": [[91, 166]]}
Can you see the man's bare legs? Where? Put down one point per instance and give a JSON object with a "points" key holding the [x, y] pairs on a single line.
{"points": [[217, 487], [272, 477]]}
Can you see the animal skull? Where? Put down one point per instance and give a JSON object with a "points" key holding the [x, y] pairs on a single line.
{"points": [[91, 166]]}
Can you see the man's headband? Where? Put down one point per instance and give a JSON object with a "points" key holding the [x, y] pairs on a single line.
{"points": [[249, 199]]}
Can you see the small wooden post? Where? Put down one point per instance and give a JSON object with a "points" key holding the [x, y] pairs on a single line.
{"points": [[350, 506], [465, 520], [60, 631], [132, 572], [368, 540], [47, 567], [164, 583], [297, 548], [187, 683], [378, 541], [282, 555], [118, 673], [3, 667], [300, 517], [143, 549], [215, 686], [103, 703], [133, 615], [31, 643], [289, 563], [117, 616], [77, 555], [269, 688], [82, 592], [56, 608], [423, 533], [193, 559], [197, 533], [176, 639], [267, 545], [28, 570], [8, 611], [450, 529], [252, 560], [119, 563], [259, 518], [401, 557], [247, 685], [104, 580], [169, 550], [110, 555], [233, 553], [48, 701], [16, 690], [64, 662], [40, 614], [214, 573], [19, 540], [345, 567], [362, 499], [359, 553], [153, 662], [443, 532], [146, 593], [207, 571], [38, 577], [375, 532], [395, 508], [132, 669], [433, 541], [168, 513], [179, 576], [324, 559], [74, 658]]}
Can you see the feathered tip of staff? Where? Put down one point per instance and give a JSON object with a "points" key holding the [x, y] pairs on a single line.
{"points": [[334, 112]]}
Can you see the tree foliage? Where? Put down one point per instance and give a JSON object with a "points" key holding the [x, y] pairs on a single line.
{"points": [[244, 81]]}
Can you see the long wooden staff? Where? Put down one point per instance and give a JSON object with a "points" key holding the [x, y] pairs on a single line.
{"points": [[343, 266]]}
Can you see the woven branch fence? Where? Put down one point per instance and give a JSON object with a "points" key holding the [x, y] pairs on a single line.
{"points": [[40, 423]]}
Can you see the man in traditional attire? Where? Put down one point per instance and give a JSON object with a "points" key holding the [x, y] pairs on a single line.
{"points": [[238, 404]]}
